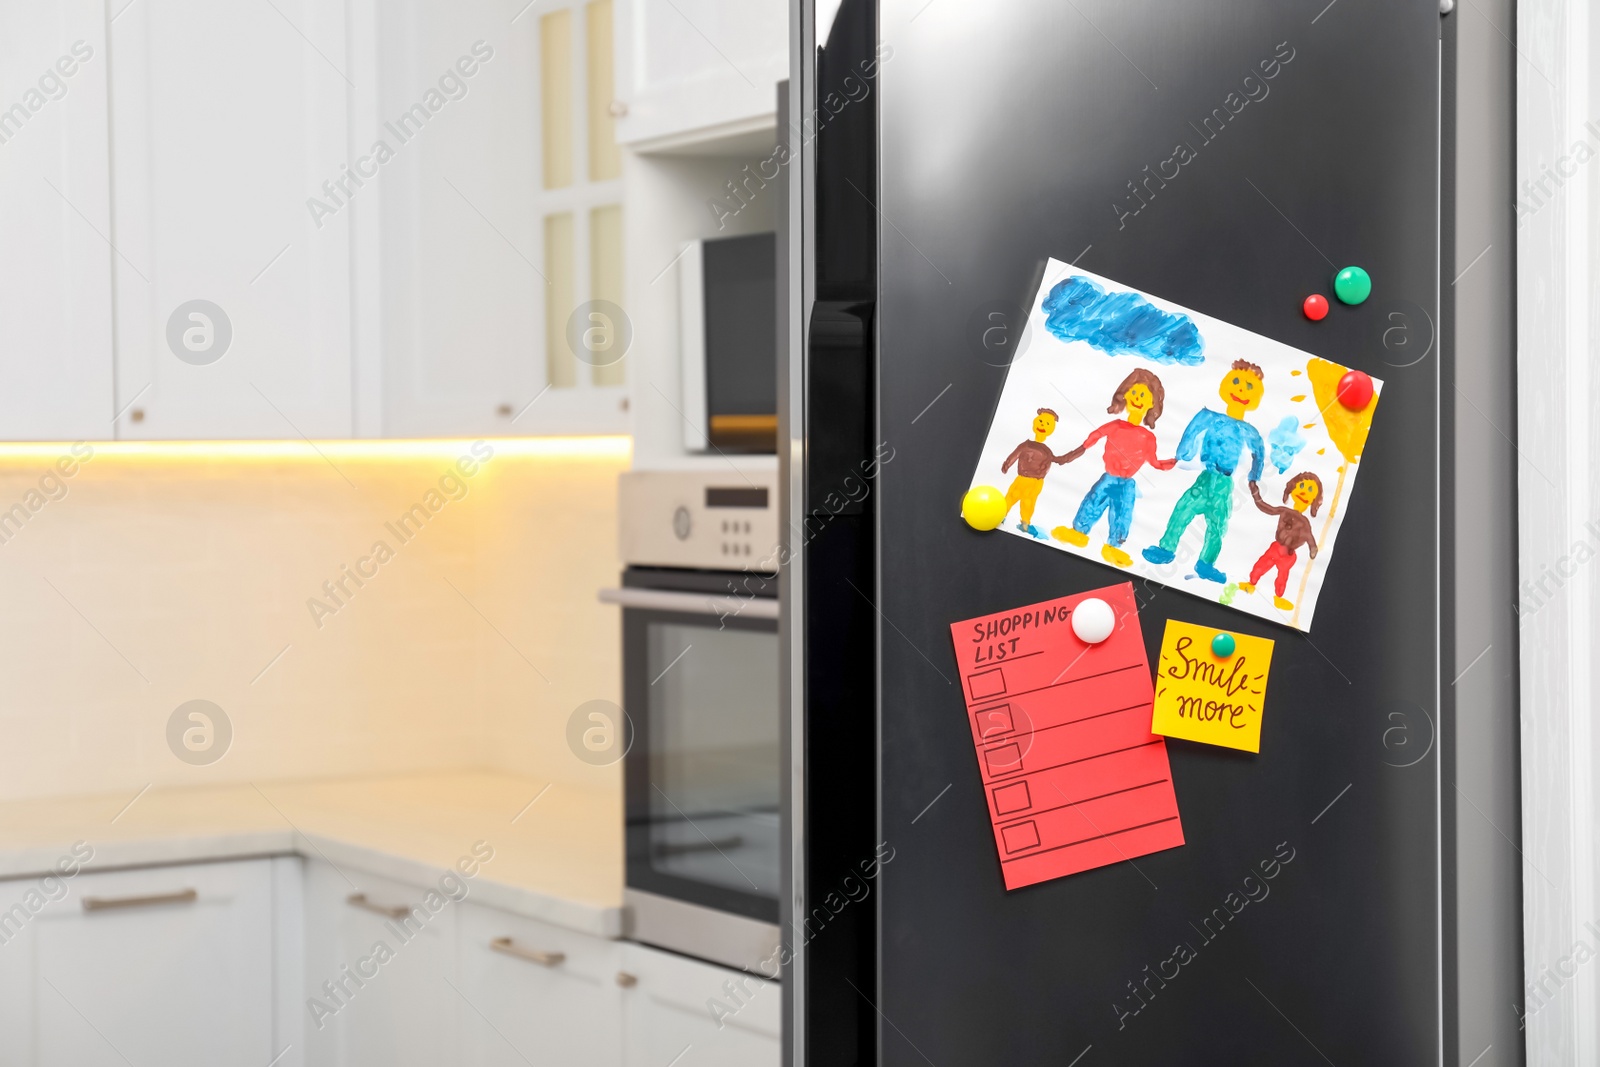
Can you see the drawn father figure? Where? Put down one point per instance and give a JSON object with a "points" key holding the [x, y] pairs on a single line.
{"points": [[1219, 440]]}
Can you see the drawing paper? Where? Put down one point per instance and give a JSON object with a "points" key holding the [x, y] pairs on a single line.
{"points": [[1130, 430]]}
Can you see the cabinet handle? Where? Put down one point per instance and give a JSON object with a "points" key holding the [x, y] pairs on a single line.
{"points": [[389, 911], [626, 980], [182, 896], [532, 955]]}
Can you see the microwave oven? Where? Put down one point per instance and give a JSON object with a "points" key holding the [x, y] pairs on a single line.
{"points": [[728, 323]]}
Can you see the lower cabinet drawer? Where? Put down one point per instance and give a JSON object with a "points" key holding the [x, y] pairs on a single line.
{"points": [[379, 963], [693, 1014], [168, 965], [535, 993]]}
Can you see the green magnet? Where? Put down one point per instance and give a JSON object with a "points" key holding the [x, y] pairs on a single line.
{"points": [[1352, 285], [1222, 646]]}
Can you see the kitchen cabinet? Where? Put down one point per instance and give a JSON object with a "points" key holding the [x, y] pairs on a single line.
{"points": [[380, 976], [55, 264], [691, 70], [169, 965], [535, 993], [232, 274], [323, 966], [462, 296], [208, 241], [691, 1014]]}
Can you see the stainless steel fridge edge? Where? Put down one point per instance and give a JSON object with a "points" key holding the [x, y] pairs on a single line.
{"points": [[796, 283], [1439, 492], [1478, 337]]}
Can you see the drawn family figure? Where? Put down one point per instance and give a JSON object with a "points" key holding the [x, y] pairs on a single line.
{"points": [[1130, 444], [1219, 440], [1033, 459], [1304, 491]]}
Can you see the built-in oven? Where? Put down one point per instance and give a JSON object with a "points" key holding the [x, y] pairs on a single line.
{"points": [[700, 689]]}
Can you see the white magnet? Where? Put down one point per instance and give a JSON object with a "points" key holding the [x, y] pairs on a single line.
{"points": [[1093, 620]]}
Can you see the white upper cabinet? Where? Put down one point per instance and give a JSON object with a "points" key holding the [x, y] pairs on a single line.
{"points": [[500, 231], [696, 69], [335, 218], [55, 223], [460, 258], [232, 293]]}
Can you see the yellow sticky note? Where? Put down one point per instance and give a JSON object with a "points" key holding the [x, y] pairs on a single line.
{"points": [[1201, 696]]}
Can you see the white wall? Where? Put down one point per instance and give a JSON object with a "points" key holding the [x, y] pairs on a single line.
{"points": [[1558, 263], [156, 575]]}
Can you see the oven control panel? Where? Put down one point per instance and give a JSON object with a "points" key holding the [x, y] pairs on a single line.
{"points": [[716, 520]]}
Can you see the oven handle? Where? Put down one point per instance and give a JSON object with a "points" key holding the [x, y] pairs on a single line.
{"points": [[754, 607]]}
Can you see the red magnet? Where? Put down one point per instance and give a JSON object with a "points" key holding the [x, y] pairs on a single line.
{"points": [[1355, 391], [1315, 307]]}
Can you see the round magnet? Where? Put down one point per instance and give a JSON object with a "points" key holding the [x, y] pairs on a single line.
{"points": [[1354, 391], [1222, 646], [984, 507], [1352, 285], [1093, 620], [1315, 307]]}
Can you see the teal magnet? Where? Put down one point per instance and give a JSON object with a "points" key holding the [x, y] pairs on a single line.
{"points": [[1352, 285], [1222, 646]]}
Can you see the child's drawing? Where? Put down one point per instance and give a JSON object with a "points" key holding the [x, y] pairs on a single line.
{"points": [[1247, 406]]}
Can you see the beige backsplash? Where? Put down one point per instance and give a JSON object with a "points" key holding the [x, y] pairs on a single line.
{"points": [[161, 574]]}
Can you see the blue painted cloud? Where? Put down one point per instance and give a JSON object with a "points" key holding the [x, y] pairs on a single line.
{"points": [[1121, 324], [1285, 443]]}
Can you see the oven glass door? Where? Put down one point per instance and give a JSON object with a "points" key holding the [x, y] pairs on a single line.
{"points": [[703, 772]]}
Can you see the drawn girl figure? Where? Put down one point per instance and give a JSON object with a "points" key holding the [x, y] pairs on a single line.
{"points": [[1130, 444], [1304, 492]]}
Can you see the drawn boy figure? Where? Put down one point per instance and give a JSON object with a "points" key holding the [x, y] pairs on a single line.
{"points": [[1130, 444], [1304, 490], [1033, 459], [1219, 439]]}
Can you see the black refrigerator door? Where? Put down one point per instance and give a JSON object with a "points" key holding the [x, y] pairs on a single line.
{"points": [[1013, 132]]}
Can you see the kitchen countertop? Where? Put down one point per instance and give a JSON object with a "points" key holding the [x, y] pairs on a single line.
{"points": [[558, 849]]}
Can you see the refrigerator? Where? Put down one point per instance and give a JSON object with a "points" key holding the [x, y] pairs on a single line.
{"points": [[942, 151]]}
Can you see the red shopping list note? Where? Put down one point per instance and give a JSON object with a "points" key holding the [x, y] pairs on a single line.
{"points": [[1074, 777]]}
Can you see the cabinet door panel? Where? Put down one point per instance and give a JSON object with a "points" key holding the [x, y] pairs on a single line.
{"points": [[55, 262], [537, 993], [378, 987], [227, 119], [169, 965], [698, 64], [463, 269]]}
